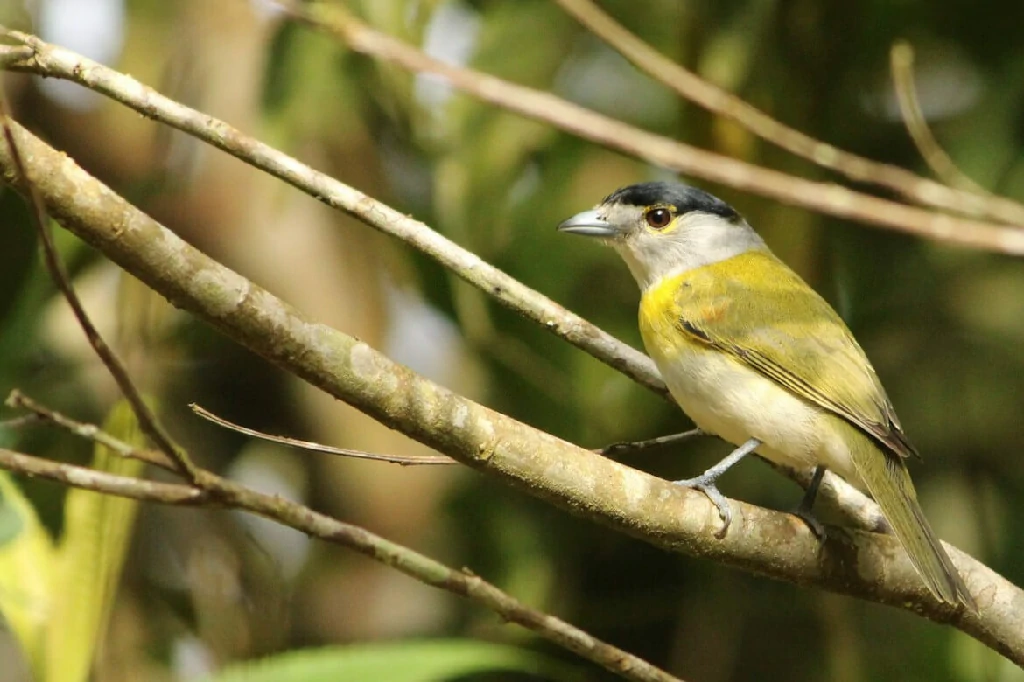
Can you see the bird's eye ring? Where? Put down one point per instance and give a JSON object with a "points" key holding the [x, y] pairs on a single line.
{"points": [[658, 218]]}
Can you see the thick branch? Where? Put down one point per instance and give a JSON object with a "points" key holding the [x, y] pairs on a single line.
{"points": [[769, 543]]}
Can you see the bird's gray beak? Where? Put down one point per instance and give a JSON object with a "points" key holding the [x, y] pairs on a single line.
{"points": [[589, 224]]}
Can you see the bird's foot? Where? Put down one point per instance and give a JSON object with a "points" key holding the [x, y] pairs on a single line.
{"points": [[706, 484], [812, 522], [803, 510]]}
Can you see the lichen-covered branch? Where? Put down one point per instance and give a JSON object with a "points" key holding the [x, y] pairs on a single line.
{"points": [[769, 543]]}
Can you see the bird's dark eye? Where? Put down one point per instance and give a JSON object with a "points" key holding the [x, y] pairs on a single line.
{"points": [[658, 218]]}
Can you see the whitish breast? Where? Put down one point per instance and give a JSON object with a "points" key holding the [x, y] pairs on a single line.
{"points": [[725, 397]]}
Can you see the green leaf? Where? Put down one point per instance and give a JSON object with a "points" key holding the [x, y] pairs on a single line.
{"points": [[96, 532], [26, 566], [407, 661]]}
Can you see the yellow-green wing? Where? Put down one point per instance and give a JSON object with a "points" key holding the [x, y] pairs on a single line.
{"points": [[788, 333]]}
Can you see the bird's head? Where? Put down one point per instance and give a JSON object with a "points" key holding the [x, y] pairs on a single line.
{"points": [[663, 228]]}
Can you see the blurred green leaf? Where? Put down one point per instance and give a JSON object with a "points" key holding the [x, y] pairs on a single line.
{"points": [[26, 567], [96, 532], [416, 661]]}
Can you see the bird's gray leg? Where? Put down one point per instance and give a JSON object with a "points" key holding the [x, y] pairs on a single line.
{"points": [[706, 482], [803, 510], [641, 445]]}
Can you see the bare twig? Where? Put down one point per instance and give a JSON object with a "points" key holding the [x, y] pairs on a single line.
{"points": [[319, 447], [901, 60], [90, 432], [220, 492], [101, 481], [691, 86], [868, 565], [21, 422], [148, 422]]}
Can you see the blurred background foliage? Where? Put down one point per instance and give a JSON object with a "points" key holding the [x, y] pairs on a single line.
{"points": [[944, 327]]}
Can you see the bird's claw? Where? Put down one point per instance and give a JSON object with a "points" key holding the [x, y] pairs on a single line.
{"points": [[615, 449], [803, 510], [813, 523], [706, 485]]}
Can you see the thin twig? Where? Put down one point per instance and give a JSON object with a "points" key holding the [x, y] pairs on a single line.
{"points": [[860, 510], [21, 422], [220, 492], [102, 481], [857, 168], [824, 198], [50, 60], [148, 422], [901, 60], [404, 460], [90, 432]]}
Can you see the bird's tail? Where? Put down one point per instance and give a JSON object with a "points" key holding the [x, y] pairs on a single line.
{"points": [[888, 481]]}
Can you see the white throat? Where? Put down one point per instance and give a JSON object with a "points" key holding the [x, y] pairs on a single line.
{"points": [[701, 239]]}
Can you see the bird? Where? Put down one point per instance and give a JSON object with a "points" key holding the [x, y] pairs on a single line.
{"points": [[753, 355]]}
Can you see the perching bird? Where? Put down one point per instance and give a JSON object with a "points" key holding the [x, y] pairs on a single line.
{"points": [[753, 355]]}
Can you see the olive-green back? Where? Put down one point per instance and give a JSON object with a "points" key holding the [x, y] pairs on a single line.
{"points": [[788, 333]]}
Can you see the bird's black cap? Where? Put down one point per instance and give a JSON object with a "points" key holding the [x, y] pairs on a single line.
{"points": [[683, 197]]}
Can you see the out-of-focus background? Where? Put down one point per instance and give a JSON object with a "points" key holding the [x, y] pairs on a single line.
{"points": [[943, 326]]}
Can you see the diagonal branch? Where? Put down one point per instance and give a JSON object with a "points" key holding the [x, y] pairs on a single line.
{"points": [[220, 492], [821, 197], [857, 168], [102, 481], [760, 541], [19, 400]]}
